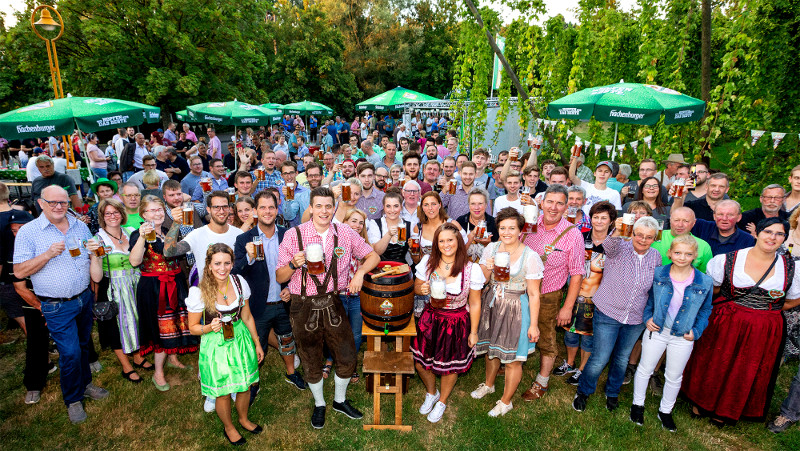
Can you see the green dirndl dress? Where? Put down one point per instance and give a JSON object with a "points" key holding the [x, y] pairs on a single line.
{"points": [[228, 366]]}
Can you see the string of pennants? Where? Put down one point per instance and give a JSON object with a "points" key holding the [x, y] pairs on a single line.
{"points": [[777, 137], [545, 124]]}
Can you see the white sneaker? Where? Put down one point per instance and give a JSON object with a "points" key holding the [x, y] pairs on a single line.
{"points": [[210, 404], [430, 400], [482, 391], [437, 412], [501, 409], [296, 361]]}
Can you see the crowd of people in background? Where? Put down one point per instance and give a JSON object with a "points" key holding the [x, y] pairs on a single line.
{"points": [[188, 244]]}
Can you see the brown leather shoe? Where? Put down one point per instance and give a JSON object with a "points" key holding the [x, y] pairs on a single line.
{"points": [[535, 392]]}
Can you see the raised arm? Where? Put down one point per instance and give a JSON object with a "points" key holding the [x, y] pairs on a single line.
{"points": [[173, 247], [573, 171]]}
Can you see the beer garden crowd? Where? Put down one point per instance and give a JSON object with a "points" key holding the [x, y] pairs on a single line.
{"points": [[226, 252]]}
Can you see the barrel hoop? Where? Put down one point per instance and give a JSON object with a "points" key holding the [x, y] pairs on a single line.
{"points": [[386, 319], [387, 294]]}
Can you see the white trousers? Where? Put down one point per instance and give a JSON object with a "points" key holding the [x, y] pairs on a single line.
{"points": [[653, 346]]}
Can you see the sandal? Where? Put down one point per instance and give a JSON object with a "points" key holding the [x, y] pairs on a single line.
{"points": [[354, 378], [129, 374], [326, 370], [142, 365]]}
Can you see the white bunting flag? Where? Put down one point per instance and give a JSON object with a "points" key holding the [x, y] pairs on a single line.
{"points": [[563, 122], [586, 144], [597, 148], [569, 133], [777, 137], [648, 140], [634, 145], [756, 135], [620, 148], [608, 148]]}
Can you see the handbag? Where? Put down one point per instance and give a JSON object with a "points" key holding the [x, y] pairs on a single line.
{"points": [[105, 310]]}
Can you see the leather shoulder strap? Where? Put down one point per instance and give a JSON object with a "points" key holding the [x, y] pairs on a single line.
{"points": [[561, 235]]}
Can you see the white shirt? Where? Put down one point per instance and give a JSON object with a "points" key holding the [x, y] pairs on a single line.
{"points": [[503, 202], [476, 278], [716, 270], [195, 304], [60, 165], [200, 239], [31, 170], [119, 146], [594, 195], [137, 178]]}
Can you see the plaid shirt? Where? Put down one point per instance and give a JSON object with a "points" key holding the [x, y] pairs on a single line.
{"points": [[457, 205], [273, 180], [627, 279], [565, 260], [350, 243], [372, 205]]}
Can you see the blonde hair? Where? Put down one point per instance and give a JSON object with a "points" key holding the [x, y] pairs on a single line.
{"points": [[208, 284], [688, 240], [150, 199], [793, 219], [356, 211], [150, 178]]}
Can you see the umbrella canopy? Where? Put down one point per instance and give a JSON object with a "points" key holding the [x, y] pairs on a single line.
{"points": [[628, 103], [305, 108], [182, 115], [61, 116], [393, 99], [234, 113], [273, 106]]}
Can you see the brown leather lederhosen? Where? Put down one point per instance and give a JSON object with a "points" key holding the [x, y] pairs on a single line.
{"points": [[321, 320]]}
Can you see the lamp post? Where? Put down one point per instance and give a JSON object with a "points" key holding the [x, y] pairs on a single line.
{"points": [[47, 24]]}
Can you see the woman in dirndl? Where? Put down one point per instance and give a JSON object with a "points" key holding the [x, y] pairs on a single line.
{"points": [[732, 371], [160, 295], [446, 331], [229, 349], [117, 281], [509, 328]]}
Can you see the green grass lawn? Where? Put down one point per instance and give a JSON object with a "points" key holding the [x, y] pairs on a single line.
{"points": [[140, 417]]}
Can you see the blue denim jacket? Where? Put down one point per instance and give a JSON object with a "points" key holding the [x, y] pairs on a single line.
{"points": [[694, 311]]}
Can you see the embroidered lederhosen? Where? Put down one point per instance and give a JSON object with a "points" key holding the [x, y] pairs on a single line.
{"points": [[320, 319]]}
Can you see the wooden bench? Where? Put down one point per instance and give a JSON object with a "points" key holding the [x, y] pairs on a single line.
{"points": [[379, 363]]}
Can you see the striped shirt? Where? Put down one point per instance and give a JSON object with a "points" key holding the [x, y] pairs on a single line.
{"points": [[627, 279], [62, 276], [350, 244], [565, 260]]}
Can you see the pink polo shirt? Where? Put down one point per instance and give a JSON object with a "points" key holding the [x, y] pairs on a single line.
{"points": [[565, 260]]}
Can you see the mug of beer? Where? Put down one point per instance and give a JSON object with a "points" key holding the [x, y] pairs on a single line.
{"points": [[537, 143], [627, 225], [660, 229], [260, 174], [414, 247], [480, 231], [588, 246], [290, 191], [513, 154], [346, 192], [231, 195], [501, 269], [188, 213], [314, 259], [205, 183], [680, 184], [576, 150], [438, 292], [151, 235], [531, 215], [259, 248], [73, 246], [227, 328], [402, 232], [572, 214], [451, 186]]}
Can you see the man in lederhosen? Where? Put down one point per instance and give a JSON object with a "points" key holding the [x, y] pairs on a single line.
{"points": [[317, 315]]}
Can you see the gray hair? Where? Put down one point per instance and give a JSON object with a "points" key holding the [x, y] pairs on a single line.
{"points": [[479, 191], [725, 202], [129, 185], [356, 181], [138, 135], [648, 222], [625, 169], [157, 150], [395, 166], [43, 159], [412, 184], [576, 189], [773, 186], [557, 189]]}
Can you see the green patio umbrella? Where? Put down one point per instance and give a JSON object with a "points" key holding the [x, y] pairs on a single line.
{"points": [[307, 108], [182, 115], [393, 100], [273, 106], [628, 103], [63, 116]]}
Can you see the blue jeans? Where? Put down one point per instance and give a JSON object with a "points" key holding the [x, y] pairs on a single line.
{"points": [[615, 342], [126, 175], [70, 325], [100, 172], [791, 405], [352, 305], [572, 340]]}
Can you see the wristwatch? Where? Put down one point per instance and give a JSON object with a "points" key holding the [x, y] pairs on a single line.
{"points": [[291, 265]]}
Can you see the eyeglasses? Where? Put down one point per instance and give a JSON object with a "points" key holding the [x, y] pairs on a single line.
{"points": [[774, 234], [411, 191], [218, 207], [109, 214], [772, 197], [56, 203], [651, 186], [132, 196], [154, 211]]}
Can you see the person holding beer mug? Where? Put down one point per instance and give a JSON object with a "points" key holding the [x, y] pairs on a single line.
{"points": [[389, 235], [348, 192], [244, 213], [230, 350], [160, 294], [447, 332], [431, 215], [509, 326]]}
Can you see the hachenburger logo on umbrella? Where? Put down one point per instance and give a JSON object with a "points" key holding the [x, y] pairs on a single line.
{"points": [[684, 114], [249, 120], [35, 128], [626, 115], [113, 120], [570, 111], [212, 118]]}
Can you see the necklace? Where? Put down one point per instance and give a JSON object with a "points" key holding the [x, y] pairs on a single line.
{"points": [[225, 293], [447, 264], [119, 240]]}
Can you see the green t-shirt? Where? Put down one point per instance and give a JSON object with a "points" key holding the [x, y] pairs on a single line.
{"points": [[134, 221], [704, 253]]}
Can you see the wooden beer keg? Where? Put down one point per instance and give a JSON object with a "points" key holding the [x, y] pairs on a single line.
{"points": [[387, 302]]}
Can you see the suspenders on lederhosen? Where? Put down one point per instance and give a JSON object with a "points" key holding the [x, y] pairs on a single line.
{"points": [[323, 301]]}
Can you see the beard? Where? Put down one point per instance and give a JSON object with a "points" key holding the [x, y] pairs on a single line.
{"points": [[380, 184]]}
